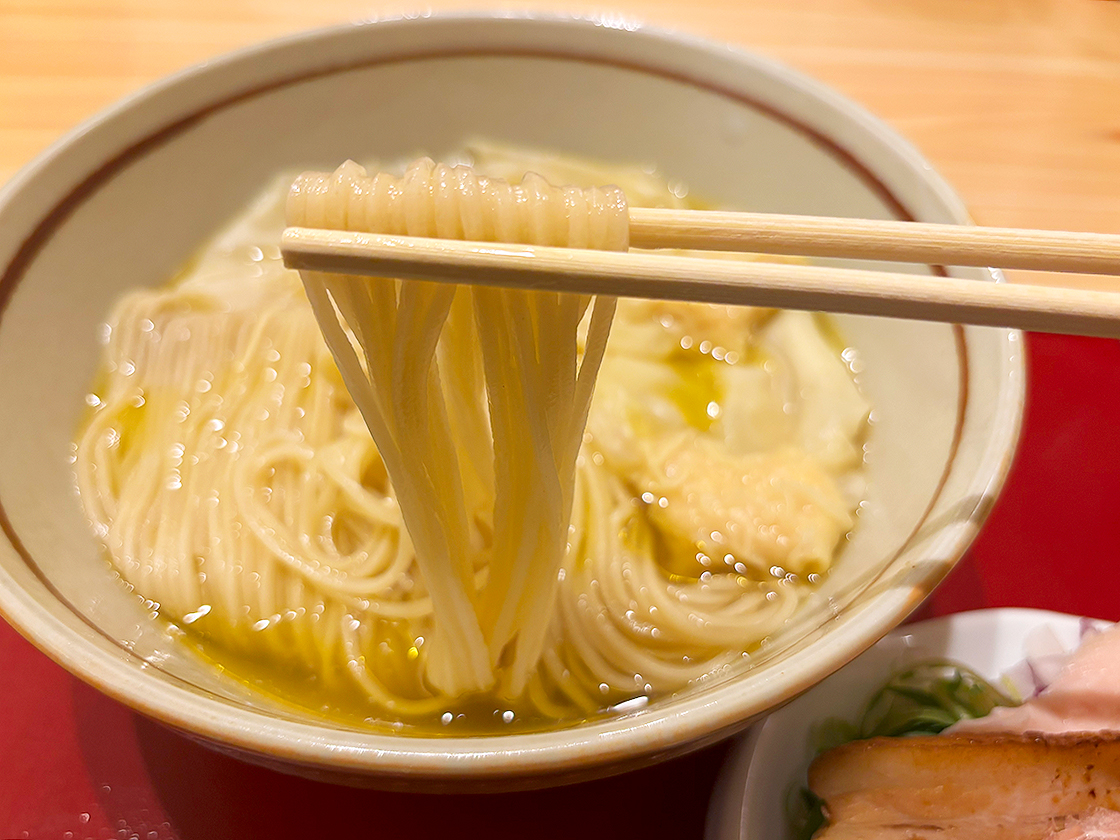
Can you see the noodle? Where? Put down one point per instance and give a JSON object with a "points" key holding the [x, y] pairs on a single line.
{"points": [[524, 344], [503, 541]]}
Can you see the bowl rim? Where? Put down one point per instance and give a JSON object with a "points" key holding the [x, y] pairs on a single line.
{"points": [[610, 744]]}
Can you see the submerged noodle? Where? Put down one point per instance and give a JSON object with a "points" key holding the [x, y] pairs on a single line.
{"points": [[485, 539]]}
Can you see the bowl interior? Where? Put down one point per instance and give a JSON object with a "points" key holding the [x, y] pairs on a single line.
{"points": [[127, 201]]}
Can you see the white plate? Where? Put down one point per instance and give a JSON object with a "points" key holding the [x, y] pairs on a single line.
{"points": [[772, 759]]}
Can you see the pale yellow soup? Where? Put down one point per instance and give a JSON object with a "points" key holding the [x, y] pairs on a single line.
{"points": [[236, 487]]}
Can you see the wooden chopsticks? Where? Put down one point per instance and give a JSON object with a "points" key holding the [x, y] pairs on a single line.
{"points": [[869, 239], [654, 275]]}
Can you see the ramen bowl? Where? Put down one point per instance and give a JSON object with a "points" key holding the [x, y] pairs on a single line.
{"points": [[125, 200]]}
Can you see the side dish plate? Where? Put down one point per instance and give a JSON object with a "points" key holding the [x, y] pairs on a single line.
{"points": [[768, 765]]}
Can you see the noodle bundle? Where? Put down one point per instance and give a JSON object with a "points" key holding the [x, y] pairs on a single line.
{"points": [[427, 512], [521, 345]]}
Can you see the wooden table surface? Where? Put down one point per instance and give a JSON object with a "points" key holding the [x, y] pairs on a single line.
{"points": [[1017, 102]]}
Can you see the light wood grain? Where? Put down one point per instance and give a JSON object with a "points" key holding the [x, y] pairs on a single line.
{"points": [[1017, 102], [703, 279], [874, 239]]}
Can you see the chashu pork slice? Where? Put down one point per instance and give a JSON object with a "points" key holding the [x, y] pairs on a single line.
{"points": [[996, 787]]}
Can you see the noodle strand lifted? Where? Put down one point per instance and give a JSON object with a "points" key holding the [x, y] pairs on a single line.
{"points": [[538, 392]]}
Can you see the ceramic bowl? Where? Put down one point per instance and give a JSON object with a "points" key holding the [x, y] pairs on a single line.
{"points": [[127, 198], [768, 768]]}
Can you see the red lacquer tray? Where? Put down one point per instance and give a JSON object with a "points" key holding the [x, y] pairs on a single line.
{"points": [[74, 764]]}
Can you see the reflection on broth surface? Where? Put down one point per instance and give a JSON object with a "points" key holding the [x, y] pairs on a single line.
{"points": [[527, 569]]}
